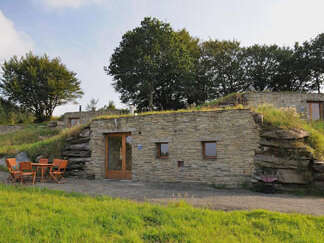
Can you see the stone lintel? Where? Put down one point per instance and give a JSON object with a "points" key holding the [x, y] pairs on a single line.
{"points": [[167, 140], [209, 139], [119, 131]]}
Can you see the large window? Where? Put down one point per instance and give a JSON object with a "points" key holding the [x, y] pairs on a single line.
{"points": [[316, 111], [162, 150], [209, 149]]}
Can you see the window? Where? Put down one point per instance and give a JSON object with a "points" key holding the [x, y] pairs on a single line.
{"points": [[162, 150], [209, 150], [180, 164], [74, 122], [316, 111]]}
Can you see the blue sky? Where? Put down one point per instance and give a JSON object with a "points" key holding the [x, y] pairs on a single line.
{"points": [[84, 33]]}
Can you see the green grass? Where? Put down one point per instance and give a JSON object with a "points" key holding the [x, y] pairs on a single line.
{"points": [[3, 168], [288, 118], [38, 215], [318, 125], [30, 134], [49, 146], [233, 98], [194, 109]]}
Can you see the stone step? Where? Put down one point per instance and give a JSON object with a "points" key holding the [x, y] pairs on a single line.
{"points": [[82, 146], [76, 153]]}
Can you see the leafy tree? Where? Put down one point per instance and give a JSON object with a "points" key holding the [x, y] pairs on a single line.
{"points": [[150, 67], [110, 107], [38, 84], [262, 65], [223, 65], [196, 83], [316, 55], [295, 74], [92, 106]]}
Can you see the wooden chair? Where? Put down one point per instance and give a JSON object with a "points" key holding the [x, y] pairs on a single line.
{"points": [[14, 173], [26, 169], [56, 162], [58, 169], [42, 169]]}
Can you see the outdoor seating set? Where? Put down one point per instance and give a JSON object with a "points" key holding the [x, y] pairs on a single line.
{"points": [[30, 169]]}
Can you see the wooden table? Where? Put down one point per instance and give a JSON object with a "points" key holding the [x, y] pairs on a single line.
{"points": [[43, 167]]}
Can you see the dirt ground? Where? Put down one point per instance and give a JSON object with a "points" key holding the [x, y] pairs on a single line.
{"points": [[196, 195]]}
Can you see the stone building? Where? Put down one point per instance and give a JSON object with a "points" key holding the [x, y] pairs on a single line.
{"points": [[311, 105], [71, 119], [214, 147]]}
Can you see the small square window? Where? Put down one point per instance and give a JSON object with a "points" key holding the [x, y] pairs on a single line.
{"points": [[209, 150], [162, 150], [180, 164]]}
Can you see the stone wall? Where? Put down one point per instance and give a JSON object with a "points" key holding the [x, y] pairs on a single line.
{"points": [[86, 116], [10, 128], [283, 99], [77, 151], [284, 155], [235, 131]]}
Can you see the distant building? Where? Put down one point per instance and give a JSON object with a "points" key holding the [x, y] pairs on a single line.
{"points": [[310, 105], [75, 118]]}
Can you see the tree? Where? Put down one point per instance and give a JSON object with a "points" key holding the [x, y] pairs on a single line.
{"points": [[38, 84], [92, 106], [196, 83], [150, 67], [316, 56], [110, 107], [262, 66], [223, 65]]}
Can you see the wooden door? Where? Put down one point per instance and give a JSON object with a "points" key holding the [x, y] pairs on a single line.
{"points": [[118, 156]]}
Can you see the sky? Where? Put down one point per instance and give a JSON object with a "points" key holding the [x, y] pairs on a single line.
{"points": [[84, 33]]}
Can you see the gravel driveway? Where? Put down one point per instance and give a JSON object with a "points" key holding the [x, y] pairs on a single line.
{"points": [[197, 195]]}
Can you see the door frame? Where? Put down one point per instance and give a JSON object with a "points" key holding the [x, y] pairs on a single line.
{"points": [[122, 174]]}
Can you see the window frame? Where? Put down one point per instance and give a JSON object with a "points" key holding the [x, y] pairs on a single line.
{"points": [[310, 109], [159, 156], [74, 118], [204, 150]]}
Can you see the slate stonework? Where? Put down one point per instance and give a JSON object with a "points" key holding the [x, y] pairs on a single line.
{"points": [[234, 130]]}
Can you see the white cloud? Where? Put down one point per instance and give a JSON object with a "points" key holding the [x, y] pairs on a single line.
{"points": [[12, 42], [69, 3]]}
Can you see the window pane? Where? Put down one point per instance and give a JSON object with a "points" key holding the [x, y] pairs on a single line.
{"points": [[315, 111], [115, 155], [128, 153], [74, 121], [164, 149], [210, 149]]}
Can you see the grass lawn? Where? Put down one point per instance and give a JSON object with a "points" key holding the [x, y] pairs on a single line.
{"points": [[36, 140], [30, 134], [38, 215]]}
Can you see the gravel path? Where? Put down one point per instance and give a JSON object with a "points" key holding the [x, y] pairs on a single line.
{"points": [[197, 195]]}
